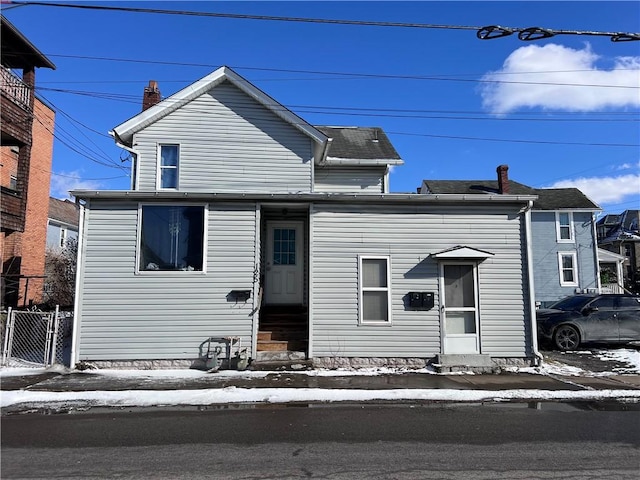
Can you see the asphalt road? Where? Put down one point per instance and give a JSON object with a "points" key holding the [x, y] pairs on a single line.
{"points": [[513, 441]]}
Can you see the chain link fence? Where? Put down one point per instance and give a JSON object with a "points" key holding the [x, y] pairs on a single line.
{"points": [[37, 338]]}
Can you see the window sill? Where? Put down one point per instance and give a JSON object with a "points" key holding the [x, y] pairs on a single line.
{"points": [[380, 323]]}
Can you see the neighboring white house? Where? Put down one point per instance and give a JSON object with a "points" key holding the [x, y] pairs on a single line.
{"points": [[245, 221], [612, 266], [62, 224]]}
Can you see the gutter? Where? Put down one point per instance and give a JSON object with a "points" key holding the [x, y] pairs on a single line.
{"points": [[390, 198], [532, 299]]}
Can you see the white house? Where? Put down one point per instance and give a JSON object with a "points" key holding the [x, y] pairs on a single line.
{"points": [[245, 221]]}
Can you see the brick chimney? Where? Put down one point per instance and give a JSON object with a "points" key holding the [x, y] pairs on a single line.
{"points": [[151, 95], [503, 179]]}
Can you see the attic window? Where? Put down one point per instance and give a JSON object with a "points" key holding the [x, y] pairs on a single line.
{"points": [[168, 167]]}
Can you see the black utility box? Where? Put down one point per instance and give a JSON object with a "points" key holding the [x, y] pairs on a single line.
{"points": [[421, 300]]}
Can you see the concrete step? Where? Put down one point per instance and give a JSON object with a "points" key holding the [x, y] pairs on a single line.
{"points": [[273, 345]]}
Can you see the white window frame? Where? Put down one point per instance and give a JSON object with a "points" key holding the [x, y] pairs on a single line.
{"points": [[559, 227], [574, 268], [205, 234], [63, 237], [160, 167], [362, 289]]}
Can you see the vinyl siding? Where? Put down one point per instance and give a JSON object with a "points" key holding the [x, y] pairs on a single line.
{"points": [[349, 180], [408, 236], [162, 315], [545, 255], [228, 142]]}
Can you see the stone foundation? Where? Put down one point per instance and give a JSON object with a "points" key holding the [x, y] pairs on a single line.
{"points": [[317, 362], [139, 364], [370, 362]]}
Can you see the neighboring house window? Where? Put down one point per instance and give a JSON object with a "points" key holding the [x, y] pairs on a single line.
{"points": [[13, 182], [171, 238], [168, 166], [564, 226], [63, 237], [375, 291], [568, 269]]}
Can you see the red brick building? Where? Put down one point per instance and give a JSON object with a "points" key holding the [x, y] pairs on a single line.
{"points": [[25, 154]]}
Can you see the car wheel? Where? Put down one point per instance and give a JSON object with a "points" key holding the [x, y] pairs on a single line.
{"points": [[566, 338]]}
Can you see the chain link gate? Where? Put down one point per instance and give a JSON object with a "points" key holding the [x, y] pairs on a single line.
{"points": [[37, 339]]}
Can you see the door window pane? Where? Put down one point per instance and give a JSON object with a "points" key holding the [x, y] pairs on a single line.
{"points": [[284, 246], [460, 322], [458, 286]]}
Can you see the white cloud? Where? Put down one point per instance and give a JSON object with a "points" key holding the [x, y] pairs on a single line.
{"points": [[627, 166], [554, 71], [604, 189], [63, 182]]}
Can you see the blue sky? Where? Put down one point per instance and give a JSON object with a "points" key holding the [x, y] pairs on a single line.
{"points": [[562, 111]]}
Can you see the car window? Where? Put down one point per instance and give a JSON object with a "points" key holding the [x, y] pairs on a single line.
{"points": [[571, 303], [627, 303], [605, 302]]}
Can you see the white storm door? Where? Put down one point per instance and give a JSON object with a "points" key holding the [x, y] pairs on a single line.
{"points": [[284, 263], [459, 308]]}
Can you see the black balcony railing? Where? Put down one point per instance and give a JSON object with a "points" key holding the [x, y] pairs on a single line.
{"points": [[14, 88]]}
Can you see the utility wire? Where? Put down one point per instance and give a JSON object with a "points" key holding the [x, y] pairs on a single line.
{"points": [[379, 112], [203, 112], [482, 32], [350, 74]]}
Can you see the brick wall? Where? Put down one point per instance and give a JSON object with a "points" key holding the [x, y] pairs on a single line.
{"points": [[9, 162], [26, 251]]}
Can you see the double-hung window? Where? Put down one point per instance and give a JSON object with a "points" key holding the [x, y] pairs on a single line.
{"points": [[172, 238], [567, 263], [168, 163], [375, 290], [564, 227]]}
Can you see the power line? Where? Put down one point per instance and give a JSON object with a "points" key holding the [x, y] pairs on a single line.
{"points": [[347, 75], [455, 137], [482, 32], [544, 142], [387, 112]]}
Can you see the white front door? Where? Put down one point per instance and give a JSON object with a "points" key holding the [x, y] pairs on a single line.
{"points": [[284, 263], [459, 308]]}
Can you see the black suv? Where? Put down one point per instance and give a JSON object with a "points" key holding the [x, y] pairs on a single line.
{"points": [[578, 319]]}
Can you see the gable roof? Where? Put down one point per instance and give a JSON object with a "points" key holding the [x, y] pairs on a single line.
{"points": [[125, 131], [548, 198], [63, 211], [462, 251], [359, 145]]}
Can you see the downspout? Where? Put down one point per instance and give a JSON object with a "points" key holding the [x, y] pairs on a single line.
{"points": [[325, 150], [594, 232], [77, 315], [532, 299]]}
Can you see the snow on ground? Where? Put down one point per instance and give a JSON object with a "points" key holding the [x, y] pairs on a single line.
{"points": [[231, 395], [622, 355]]}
